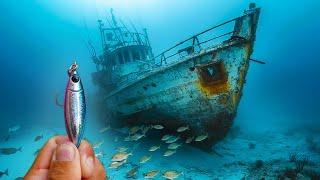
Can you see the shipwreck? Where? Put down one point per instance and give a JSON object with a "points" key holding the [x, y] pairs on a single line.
{"points": [[197, 83]]}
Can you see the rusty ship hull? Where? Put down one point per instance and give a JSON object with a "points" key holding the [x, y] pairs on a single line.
{"points": [[201, 90]]}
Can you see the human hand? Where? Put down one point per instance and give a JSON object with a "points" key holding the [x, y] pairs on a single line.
{"points": [[60, 159]]}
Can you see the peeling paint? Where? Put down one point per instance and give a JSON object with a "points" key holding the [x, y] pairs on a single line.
{"points": [[202, 90]]}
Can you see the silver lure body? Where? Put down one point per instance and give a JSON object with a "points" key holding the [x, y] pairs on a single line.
{"points": [[74, 106]]}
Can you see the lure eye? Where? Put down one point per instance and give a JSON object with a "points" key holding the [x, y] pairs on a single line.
{"points": [[75, 78]]}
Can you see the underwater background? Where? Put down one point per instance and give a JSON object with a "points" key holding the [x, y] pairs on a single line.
{"points": [[278, 118]]}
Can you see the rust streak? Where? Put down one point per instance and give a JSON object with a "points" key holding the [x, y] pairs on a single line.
{"points": [[217, 86], [212, 89], [242, 74]]}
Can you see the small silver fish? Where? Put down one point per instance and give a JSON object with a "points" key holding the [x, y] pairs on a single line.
{"points": [[122, 149], [4, 173], [154, 148], [132, 173], [166, 137], [121, 156], [151, 174], [172, 174], [104, 129], [145, 129], [144, 159], [182, 128], [169, 153], [99, 154], [172, 139], [174, 146], [201, 137], [74, 106], [116, 164], [97, 144], [158, 126], [134, 129], [38, 138], [8, 151], [189, 139], [136, 137], [14, 128]]}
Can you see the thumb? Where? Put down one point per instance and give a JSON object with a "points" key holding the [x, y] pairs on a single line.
{"points": [[65, 163]]}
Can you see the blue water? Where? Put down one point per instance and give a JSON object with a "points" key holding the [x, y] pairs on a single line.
{"points": [[279, 108]]}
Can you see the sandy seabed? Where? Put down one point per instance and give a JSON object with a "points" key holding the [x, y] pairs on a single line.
{"points": [[267, 155]]}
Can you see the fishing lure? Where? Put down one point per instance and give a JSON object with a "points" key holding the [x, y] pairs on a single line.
{"points": [[74, 106]]}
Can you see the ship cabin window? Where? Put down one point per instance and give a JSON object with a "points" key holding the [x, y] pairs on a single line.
{"points": [[126, 56], [213, 73], [120, 58], [113, 61], [143, 54], [135, 54]]}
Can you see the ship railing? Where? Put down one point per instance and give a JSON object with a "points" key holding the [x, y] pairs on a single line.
{"points": [[196, 45], [191, 49]]}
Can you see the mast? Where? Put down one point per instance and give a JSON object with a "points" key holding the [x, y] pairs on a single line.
{"points": [[136, 33], [103, 41], [115, 23]]}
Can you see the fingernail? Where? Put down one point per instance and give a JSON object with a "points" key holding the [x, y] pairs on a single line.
{"points": [[65, 152], [89, 162]]}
